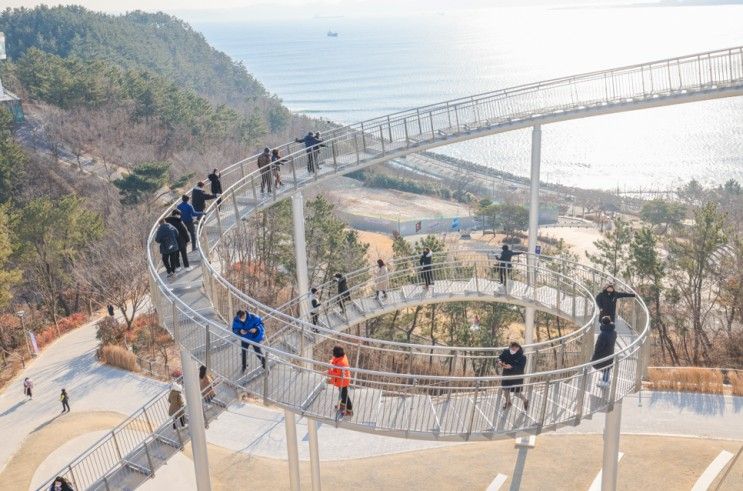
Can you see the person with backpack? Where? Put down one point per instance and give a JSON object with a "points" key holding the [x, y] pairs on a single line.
{"points": [[340, 376], [343, 294], [504, 263], [513, 362], [199, 197], [250, 328], [65, 400], [426, 264], [188, 217], [176, 405], [314, 308], [175, 220], [382, 279], [28, 387], [167, 237], [604, 348], [607, 301]]}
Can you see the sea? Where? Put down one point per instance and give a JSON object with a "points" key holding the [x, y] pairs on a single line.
{"points": [[384, 63]]}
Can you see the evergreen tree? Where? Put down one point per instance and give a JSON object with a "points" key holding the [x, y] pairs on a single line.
{"points": [[8, 276], [612, 251], [145, 179]]}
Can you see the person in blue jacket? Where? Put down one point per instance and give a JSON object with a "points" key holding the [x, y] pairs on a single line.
{"points": [[250, 328], [513, 362], [188, 216]]}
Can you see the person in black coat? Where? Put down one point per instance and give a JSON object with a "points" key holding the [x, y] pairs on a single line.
{"points": [[607, 301], [605, 347], [426, 264], [175, 220], [513, 362], [343, 294], [216, 183], [199, 197], [504, 263], [167, 237]]}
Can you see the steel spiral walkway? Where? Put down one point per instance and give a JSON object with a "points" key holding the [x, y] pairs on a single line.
{"points": [[458, 396]]}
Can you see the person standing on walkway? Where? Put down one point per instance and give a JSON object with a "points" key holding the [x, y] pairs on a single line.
{"points": [[167, 237], [205, 384], [343, 294], [504, 263], [605, 343], [199, 197], [276, 163], [340, 376], [382, 279], [250, 328], [216, 184], [175, 405], [264, 166], [316, 150], [426, 264], [513, 362], [175, 220], [60, 484], [607, 301], [309, 147], [188, 216], [28, 388], [65, 400], [314, 308]]}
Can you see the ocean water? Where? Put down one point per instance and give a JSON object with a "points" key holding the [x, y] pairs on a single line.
{"points": [[383, 64]]}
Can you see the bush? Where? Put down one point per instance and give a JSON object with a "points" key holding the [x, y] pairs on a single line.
{"points": [[708, 381], [736, 380], [119, 357], [66, 324]]}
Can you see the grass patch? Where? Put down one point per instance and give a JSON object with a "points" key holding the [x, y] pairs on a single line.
{"points": [[119, 357]]}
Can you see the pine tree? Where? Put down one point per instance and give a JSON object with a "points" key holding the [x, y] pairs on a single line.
{"points": [[612, 251]]}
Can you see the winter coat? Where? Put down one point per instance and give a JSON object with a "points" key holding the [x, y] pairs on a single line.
{"points": [[207, 391], [341, 376], [183, 238], [175, 399], [507, 256], [264, 161], [187, 212], [607, 302], [518, 365], [276, 162], [314, 304], [199, 198], [309, 141], [251, 322], [343, 288], [426, 260], [63, 397], [382, 278], [604, 346], [167, 237], [216, 184]]}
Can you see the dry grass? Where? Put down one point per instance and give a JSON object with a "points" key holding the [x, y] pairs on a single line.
{"points": [[119, 357], [736, 381], [708, 381]]}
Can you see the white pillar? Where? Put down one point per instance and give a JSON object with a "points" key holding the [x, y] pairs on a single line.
{"points": [[300, 251], [290, 423], [196, 425], [314, 455], [612, 429], [536, 155]]}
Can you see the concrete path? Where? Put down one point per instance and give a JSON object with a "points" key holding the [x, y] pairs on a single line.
{"points": [[68, 363]]}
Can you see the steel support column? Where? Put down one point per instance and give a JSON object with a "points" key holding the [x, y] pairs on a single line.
{"points": [[196, 422], [612, 428], [290, 424], [536, 151], [314, 454], [300, 253]]}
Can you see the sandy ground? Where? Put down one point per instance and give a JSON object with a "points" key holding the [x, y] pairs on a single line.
{"points": [[392, 205], [658, 463], [380, 246], [49, 436]]}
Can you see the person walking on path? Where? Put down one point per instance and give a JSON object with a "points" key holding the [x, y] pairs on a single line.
{"points": [[199, 197], [314, 308], [60, 484], [310, 142], [167, 237], [205, 383], [175, 220], [250, 328], [28, 388], [343, 294], [382, 279], [340, 376], [513, 362], [604, 347], [264, 166], [426, 264], [175, 405], [505, 264], [188, 216], [65, 400], [607, 301], [276, 163], [216, 184]]}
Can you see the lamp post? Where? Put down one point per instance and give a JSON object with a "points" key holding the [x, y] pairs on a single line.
{"points": [[21, 314]]}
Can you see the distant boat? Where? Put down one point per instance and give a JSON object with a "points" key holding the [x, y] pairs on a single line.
{"points": [[332, 34]]}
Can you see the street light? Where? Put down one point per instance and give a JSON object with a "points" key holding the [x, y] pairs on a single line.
{"points": [[21, 314]]}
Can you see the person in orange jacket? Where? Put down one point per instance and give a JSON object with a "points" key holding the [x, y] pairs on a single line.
{"points": [[341, 378]]}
